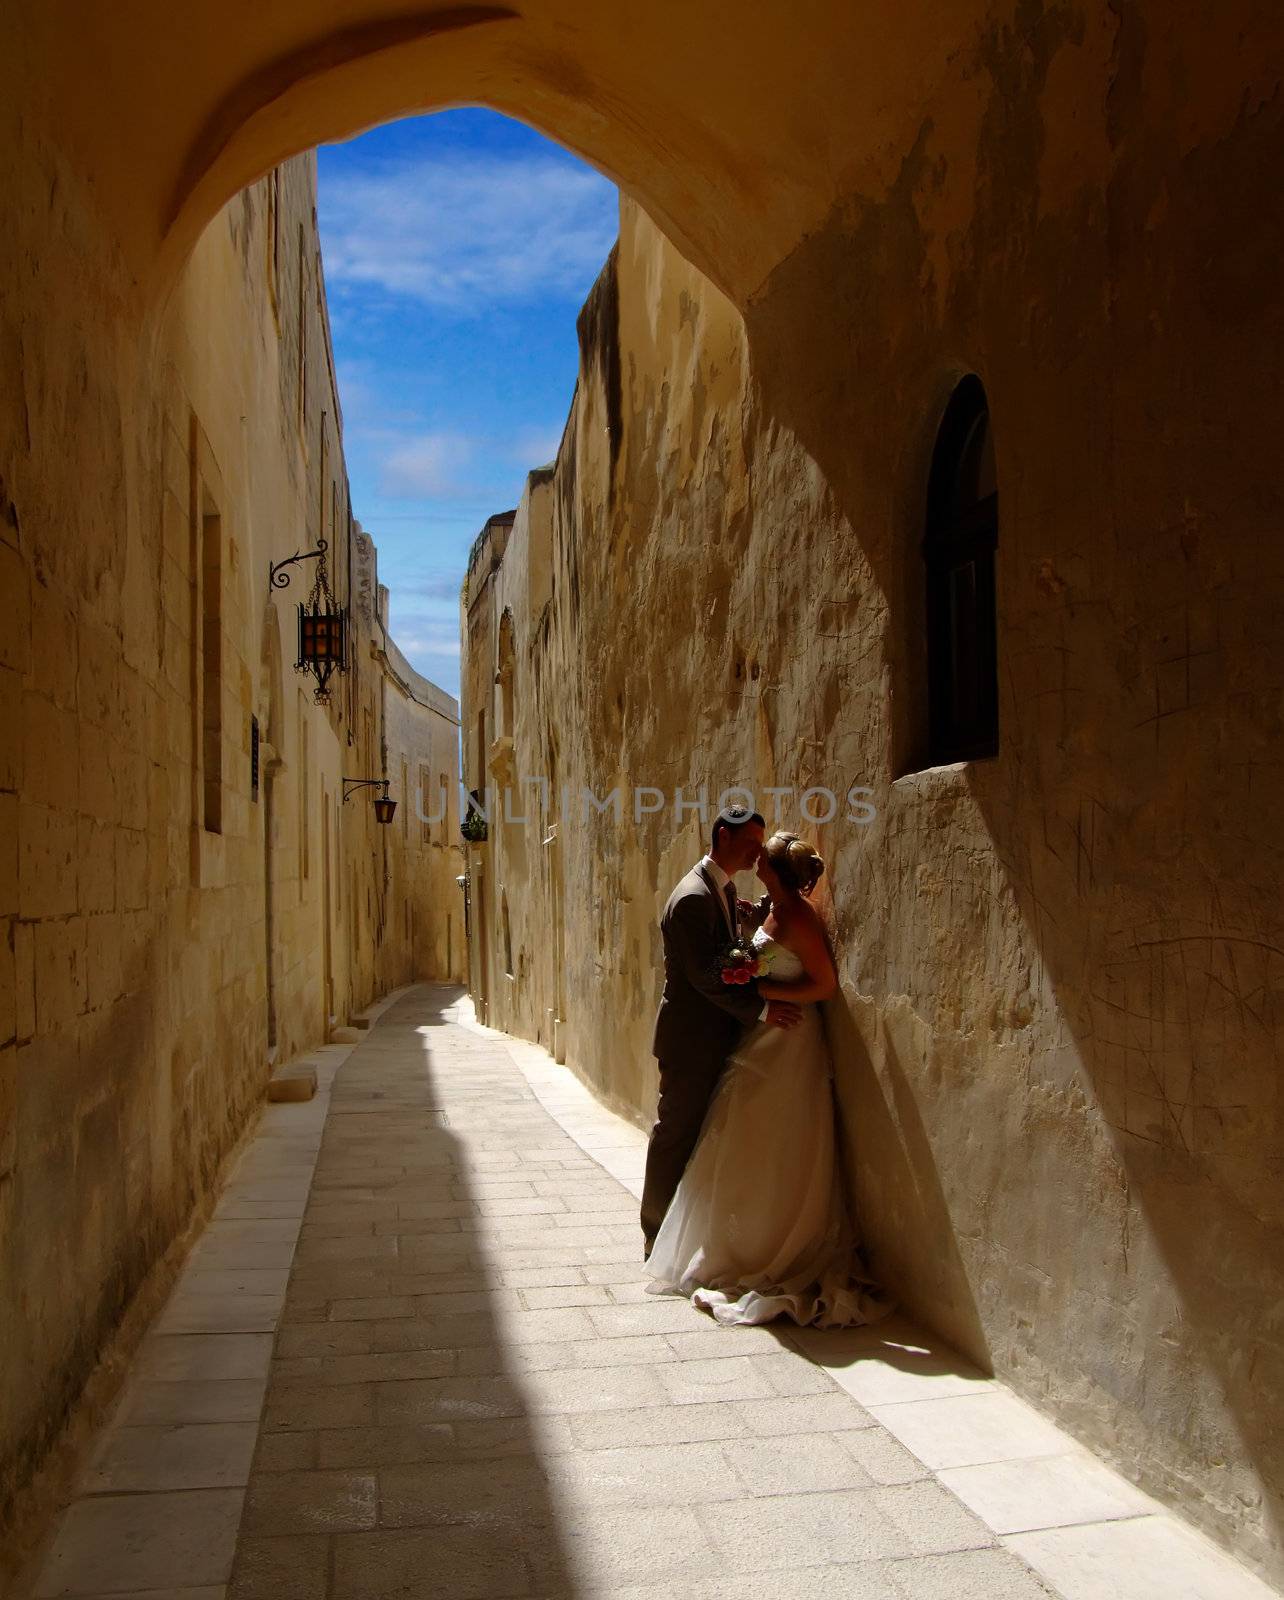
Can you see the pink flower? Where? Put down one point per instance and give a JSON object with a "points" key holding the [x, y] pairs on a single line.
{"points": [[739, 965]]}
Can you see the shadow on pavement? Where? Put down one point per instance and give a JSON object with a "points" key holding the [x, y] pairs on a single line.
{"points": [[397, 1455]]}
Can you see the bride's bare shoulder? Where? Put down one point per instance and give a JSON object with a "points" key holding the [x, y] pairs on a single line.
{"points": [[811, 927], [799, 921], [805, 915]]}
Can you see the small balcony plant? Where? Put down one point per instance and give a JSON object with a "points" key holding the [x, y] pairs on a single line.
{"points": [[473, 823]]}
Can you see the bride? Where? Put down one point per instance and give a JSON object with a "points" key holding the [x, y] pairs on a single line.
{"points": [[759, 1226]]}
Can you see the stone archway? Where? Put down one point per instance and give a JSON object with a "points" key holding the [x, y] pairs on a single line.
{"points": [[883, 197], [708, 126]]}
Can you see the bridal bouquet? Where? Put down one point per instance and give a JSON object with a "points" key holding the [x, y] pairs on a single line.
{"points": [[741, 963]]}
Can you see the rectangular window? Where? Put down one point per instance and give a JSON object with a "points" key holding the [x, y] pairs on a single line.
{"points": [[321, 476], [428, 802], [254, 759], [336, 835], [303, 338], [305, 753], [405, 801], [212, 666], [274, 243]]}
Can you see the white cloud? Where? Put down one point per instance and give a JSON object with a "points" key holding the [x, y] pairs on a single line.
{"points": [[468, 232], [418, 645], [368, 410], [535, 447], [433, 651], [425, 467], [438, 586]]}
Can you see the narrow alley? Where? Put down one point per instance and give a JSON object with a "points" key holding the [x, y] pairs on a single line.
{"points": [[413, 1355], [536, 539]]}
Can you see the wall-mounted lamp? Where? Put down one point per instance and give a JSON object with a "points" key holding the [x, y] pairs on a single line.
{"points": [[384, 808], [322, 624]]}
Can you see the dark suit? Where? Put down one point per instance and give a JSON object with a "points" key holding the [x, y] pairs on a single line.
{"points": [[696, 1028]]}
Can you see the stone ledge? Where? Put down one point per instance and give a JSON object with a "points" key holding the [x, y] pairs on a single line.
{"points": [[298, 1082]]}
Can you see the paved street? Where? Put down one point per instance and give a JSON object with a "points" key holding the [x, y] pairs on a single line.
{"points": [[469, 1393]]}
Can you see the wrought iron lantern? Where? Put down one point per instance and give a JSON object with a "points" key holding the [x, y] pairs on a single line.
{"points": [[322, 623], [384, 808]]}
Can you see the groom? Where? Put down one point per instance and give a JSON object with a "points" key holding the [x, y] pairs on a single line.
{"points": [[700, 1017]]}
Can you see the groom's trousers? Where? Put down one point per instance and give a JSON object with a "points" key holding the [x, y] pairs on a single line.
{"points": [[685, 1091]]}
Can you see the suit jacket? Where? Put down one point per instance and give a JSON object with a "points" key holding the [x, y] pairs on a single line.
{"points": [[699, 1015]]}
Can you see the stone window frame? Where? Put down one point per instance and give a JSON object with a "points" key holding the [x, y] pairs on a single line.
{"points": [[424, 783], [273, 241], [208, 499], [507, 932], [961, 539]]}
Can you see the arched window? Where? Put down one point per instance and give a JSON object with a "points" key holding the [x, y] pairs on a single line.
{"points": [[962, 536]]}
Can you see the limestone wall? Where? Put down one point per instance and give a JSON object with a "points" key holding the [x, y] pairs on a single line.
{"points": [[1057, 1042], [418, 859], [169, 929]]}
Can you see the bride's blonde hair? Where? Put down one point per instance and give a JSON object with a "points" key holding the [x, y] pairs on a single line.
{"points": [[794, 861]]}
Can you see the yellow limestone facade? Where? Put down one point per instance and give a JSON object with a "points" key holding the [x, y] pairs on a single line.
{"points": [[172, 928], [413, 865], [1057, 1038], [1060, 1033]]}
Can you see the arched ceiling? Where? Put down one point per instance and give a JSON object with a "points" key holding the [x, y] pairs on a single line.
{"points": [[737, 124]]}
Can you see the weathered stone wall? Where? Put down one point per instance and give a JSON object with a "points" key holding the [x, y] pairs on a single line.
{"points": [[1058, 1037], [168, 932], [483, 739], [423, 725], [1061, 968], [415, 927]]}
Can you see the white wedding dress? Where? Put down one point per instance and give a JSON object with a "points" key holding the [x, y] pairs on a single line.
{"points": [[759, 1226]]}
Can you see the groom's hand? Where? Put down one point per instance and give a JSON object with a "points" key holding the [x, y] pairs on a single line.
{"points": [[754, 912], [783, 1014]]}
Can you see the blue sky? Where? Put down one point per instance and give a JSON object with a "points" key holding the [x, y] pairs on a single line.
{"points": [[458, 250]]}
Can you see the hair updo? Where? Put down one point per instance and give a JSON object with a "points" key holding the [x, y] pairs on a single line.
{"points": [[794, 861]]}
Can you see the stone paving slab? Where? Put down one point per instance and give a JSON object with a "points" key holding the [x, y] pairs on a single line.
{"points": [[160, 1500], [469, 1394]]}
